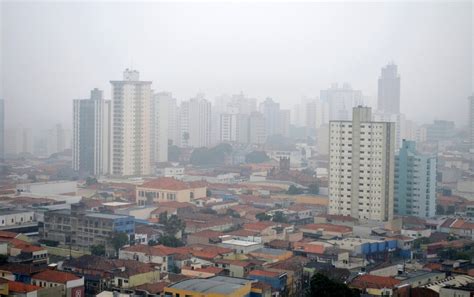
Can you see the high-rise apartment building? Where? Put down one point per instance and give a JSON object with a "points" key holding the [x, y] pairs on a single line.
{"points": [[389, 90], [164, 125], [471, 121], [415, 182], [131, 125], [271, 112], [92, 134], [339, 101], [195, 122], [361, 167], [257, 133], [2, 130]]}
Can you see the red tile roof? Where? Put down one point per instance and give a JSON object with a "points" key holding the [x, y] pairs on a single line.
{"points": [[309, 248], [328, 228], [168, 183], [157, 250], [374, 282], [19, 287], [264, 273], [55, 276]]}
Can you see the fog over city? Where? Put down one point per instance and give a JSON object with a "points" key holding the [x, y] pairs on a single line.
{"points": [[54, 52]]}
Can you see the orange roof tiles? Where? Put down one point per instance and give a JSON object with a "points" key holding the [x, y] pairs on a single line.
{"points": [[374, 281], [328, 228], [168, 183], [55, 276], [264, 273], [19, 287]]}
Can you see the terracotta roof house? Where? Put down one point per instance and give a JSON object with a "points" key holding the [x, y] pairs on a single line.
{"points": [[168, 189]]}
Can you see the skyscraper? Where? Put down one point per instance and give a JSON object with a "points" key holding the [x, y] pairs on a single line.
{"points": [[257, 133], [92, 134], [415, 182], [195, 120], [164, 112], [131, 125], [389, 90], [2, 130], [471, 121], [361, 167], [271, 112], [339, 101]]}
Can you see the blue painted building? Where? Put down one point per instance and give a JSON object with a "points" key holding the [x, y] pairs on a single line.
{"points": [[415, 182]]}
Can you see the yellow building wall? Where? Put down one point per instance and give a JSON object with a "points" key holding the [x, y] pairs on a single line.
{"points": [[4, 289], [144, 278]]}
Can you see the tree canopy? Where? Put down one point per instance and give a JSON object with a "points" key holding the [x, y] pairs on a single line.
{"points": [[172, 224], [256, 157], [293, 190], [119, 240], [321, 285], [211, 156]]}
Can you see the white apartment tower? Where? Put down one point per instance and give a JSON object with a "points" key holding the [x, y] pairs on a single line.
{"points": [[471, 121], [361, 167], [92, 134], [164, 123], [195, 122], [131, 125]]}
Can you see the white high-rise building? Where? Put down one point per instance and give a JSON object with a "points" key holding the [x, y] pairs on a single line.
{"points": [[92, 134], [471, 121], [361, 167], [389, 90], [164, 125], [257, 133], [339, 101], [2, 130], [284, 122], [228, 127], [195, 122], [132, 110]]}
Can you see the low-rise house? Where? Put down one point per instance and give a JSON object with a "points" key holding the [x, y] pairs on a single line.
{"points": [[271, 255], [277, 280], [101, 273], [169, 189], [375, 285], [241, 246], [70, 284], [237, 268], [204, 237], [201, 272], [158, 254], [318, 230]]}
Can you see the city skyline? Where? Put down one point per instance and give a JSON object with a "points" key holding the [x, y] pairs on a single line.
{"points": [[219, 68]]}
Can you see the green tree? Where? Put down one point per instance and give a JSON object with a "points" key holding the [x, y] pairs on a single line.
{"points": [[313, 188], [256, 157], [173, 153], [232, 213], [451, 210], [293, 190], [119, 240], [262, 217], [439, 209], [91, 181], [172, 224], [321, 285], [419, 241], [208, 193], [279, 217], [98, 250], [171, 241]]}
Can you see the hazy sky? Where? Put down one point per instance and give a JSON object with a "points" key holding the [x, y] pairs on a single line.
{"points": [[54, 52]]}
